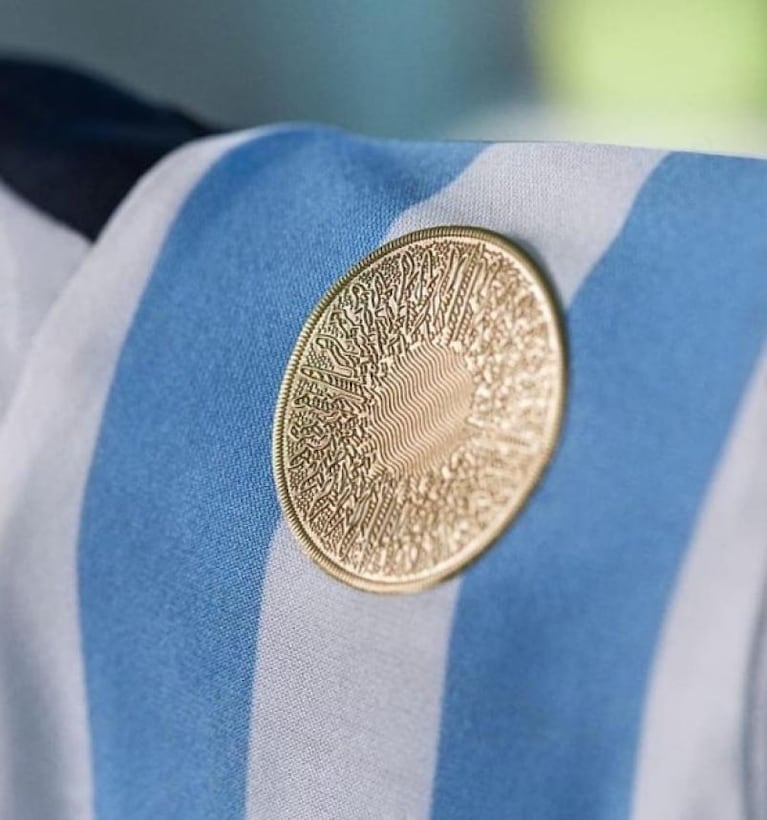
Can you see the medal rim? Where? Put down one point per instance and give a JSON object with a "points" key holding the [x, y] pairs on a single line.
{"points": [[473, 550]]}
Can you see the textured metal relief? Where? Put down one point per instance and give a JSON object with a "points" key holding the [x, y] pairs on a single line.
{"points": [[420, 406]]}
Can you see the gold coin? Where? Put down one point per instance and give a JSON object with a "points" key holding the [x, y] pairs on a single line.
{"points": [[419, 408]]}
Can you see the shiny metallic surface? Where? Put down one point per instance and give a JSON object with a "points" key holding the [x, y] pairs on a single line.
{"points": [[419, 409]]}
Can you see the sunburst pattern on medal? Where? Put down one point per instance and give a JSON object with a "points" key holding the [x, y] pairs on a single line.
{"points": [[419, 408]]}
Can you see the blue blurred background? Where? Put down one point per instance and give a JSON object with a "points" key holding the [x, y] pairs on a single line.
{"points": [[680, 73]]}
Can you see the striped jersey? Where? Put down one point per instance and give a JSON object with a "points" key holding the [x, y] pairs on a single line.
{"points": [[168, 651]]}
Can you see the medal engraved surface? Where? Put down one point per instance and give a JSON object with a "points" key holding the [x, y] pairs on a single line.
{"points": [[420, 406]]}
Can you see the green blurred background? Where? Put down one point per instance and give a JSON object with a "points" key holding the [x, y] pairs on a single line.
{"points": [[678, 73]]}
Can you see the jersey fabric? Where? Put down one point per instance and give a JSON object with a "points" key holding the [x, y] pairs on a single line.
{"points": [[166, 648]]}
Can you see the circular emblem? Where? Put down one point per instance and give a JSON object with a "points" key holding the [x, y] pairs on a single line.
{"points": [[419, 408]]}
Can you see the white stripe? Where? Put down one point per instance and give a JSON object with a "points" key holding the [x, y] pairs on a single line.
{"points": [[754, 721], [690, 764], [46, 445], [37, 257], [348, 685]]}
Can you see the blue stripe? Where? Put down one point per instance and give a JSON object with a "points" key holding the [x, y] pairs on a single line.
{"points": [[555, 629], [180, 504]]}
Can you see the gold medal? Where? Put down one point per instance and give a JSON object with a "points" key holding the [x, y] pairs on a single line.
{"points": [[419, 408]]}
